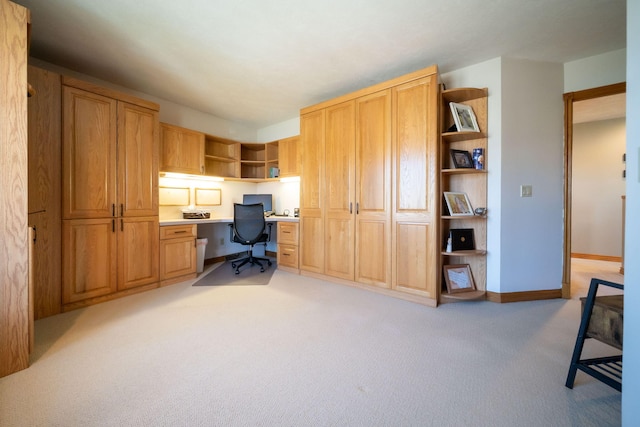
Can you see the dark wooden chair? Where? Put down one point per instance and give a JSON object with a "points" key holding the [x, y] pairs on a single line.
{"points": [[602, 319]]}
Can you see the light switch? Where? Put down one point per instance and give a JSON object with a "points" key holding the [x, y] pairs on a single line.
{"points": [[526, 191]]}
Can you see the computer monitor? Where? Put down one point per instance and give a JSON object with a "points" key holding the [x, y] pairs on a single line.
{"points": [[265, 199]]}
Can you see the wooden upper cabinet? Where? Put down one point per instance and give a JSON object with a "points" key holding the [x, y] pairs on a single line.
{"points": [[181, 150], [137, 160], [89, 154], [289, 156]]}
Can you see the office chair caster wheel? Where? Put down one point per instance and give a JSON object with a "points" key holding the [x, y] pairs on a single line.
{"points": [[237, 271], [233, 265], [269, 263], [261, 269]]}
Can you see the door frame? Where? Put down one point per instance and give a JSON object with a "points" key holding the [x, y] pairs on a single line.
{"points": [[569, 99]]}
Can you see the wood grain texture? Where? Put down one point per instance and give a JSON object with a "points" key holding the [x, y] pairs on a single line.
{"points": [[312, 135], [45, 186], [416, 241], [89, 154], [181, 150], [15, 322], [138, 246], [138, 152]]}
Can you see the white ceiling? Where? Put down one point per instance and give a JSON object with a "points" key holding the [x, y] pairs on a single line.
{"points": [[258, 62]]}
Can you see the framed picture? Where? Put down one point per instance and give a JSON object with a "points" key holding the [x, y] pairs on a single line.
{"points": [[464, 118], [458, 204], [208, 196], [461, 159], [458, 278], [171, 196]]}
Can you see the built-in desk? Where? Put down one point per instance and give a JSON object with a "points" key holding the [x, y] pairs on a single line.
{"points": [[216, 231]]}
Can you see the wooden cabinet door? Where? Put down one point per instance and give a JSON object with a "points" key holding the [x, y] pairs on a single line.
{"points": [[312, 191], [177, 257], [415, 204], [89, 155], [339, 195], [181, 150], [373, 189], [288, 156], [138, 129], [138, 241], [46, 264], [89, 258]]}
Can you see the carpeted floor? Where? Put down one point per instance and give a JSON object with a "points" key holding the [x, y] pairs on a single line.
{"points": [[225, 275], [305, 352]]}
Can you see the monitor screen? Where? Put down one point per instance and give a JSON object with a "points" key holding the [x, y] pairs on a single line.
{"points": [[265, 199]]}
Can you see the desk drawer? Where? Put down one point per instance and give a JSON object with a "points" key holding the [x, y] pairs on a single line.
{"points": [[177, 231], [288, 255], [288, 233]]}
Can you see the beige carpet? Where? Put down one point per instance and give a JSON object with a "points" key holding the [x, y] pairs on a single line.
{"points": [[225, 275], [303, 352]]}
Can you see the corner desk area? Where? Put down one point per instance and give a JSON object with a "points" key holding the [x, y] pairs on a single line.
{"points": [[178, 247]]}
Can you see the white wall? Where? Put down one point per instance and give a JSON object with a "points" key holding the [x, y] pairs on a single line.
{"points": [[595, 71], [532, 154], [170, 112], [524, 236], [631, 374], [597, 187], [280, 130]]}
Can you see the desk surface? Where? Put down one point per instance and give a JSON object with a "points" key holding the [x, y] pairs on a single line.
{"points": [[180, 221]]}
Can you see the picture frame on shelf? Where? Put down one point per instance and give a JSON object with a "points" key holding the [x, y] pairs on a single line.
{"points": [[457, 204], [461, 159], [458, 278], [464, 117]]}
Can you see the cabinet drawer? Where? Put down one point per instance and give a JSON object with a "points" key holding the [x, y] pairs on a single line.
{"points": [[288, 233], [288, 255], [176, 231]]}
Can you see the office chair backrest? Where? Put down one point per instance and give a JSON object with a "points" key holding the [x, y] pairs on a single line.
{"points": [[248, 222]]}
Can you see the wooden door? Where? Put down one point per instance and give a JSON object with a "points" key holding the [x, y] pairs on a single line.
{"points": [[416, 194], [89, 155], [312, 191], [89, 258], [15, 319], [373, 189], [339, 196], [181, 150], [138, 133], [177, 257], [138, 243]]}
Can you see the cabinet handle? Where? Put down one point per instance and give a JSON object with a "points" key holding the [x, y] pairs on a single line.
{"points": [[121, 209], [113, 209], [180, 231], [357, 208], [113, 225], [121, 225], [350, 207]]}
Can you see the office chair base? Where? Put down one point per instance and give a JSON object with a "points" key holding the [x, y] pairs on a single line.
{"points": [[250, 260]]}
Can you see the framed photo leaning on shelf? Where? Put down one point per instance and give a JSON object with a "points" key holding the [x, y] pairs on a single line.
{"points": [[461, 159], [458, 278], [464, 117], [458, 204]]}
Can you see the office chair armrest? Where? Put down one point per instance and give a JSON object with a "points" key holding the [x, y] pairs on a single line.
{"points": [[269, 224], [230, 232]]}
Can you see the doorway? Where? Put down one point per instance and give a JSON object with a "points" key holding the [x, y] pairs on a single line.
{"points": [[569, 100]]}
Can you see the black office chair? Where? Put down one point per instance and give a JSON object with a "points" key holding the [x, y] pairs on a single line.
{"points": [[248, 228]]}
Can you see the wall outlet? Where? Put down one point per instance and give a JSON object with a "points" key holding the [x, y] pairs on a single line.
{"points": [[526, 191]]}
